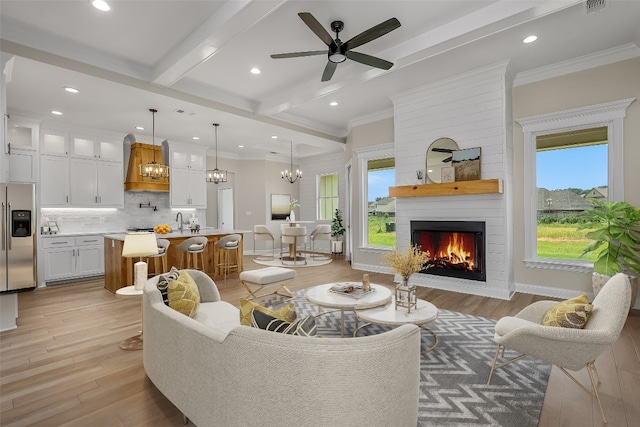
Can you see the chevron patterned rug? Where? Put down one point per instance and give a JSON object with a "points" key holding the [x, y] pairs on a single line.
{"points": [[453, 376]]}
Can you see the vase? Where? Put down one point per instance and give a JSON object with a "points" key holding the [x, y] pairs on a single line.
{"points": [[292, 216]]}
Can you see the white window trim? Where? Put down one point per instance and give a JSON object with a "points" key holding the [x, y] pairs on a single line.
{"points": [[611, 115], [364, 154]]}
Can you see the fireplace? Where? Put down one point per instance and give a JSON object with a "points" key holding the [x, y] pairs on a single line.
{"points": [[456, 248]]}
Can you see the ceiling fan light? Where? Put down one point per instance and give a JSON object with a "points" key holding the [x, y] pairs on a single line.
{"points": [[101, 5], [337, 58]]}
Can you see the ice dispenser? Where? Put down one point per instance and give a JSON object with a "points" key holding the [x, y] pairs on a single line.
{"points": [[20, 223]]}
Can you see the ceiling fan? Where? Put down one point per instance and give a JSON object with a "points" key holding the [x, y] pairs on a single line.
{"points": [[339, 51]]}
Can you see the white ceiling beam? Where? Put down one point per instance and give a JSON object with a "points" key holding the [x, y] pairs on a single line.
{"points": [[494, 18], [230, 20]]}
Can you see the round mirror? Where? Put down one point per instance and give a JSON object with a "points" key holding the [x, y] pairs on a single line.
{"points": [[439, 156]]}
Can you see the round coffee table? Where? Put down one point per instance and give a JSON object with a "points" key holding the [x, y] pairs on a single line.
{"points": [[321, 296], [424, 313]]}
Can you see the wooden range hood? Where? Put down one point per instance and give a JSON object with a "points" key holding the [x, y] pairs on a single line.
{"points": [[143, 153]]}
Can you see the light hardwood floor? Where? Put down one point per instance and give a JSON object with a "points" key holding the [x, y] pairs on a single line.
{"points": [[63, 365]]}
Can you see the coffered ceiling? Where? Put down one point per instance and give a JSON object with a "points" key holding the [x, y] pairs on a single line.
{"points": [[191, 60]]}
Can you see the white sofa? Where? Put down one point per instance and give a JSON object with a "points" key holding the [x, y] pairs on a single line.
{"points": [[220, 373]]}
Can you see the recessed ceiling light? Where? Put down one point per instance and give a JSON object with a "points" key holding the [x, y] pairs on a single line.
{"points": [[333, 103], [530, 39], [139, 128], [274, 136], [71, 89], [57, 113], [240, 146], [255, 70], [195, 137], [101, 5]]}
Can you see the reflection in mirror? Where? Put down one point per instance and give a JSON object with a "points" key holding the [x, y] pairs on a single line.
{"points": [[439, 156]]}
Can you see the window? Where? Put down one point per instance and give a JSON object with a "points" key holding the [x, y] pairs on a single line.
{"points": [[558, 146], [381, 209], [327, 196], [571, 167]]}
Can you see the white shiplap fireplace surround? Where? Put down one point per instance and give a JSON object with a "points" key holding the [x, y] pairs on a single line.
{"points": [[473, 109]]}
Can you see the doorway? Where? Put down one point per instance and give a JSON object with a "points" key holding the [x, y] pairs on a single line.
{"points": [[225, 208]]}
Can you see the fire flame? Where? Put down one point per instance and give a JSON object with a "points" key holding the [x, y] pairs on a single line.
{"points": [[455, 251]]}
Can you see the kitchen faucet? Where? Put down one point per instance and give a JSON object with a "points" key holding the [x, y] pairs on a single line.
{"points": [[180, 226]]}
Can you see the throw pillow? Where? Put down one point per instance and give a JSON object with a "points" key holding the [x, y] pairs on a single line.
{"points": [[183, 294], [572, 313], [305, 327], [286, 313], [163, 282]]}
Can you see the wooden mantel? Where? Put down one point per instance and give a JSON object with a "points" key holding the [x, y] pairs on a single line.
{"points": [[482, 186]]}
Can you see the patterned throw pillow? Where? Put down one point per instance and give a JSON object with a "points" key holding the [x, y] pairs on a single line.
{"points": [[572, 313], [163, 282], [183, 294], [286, 313], [305, 327]]}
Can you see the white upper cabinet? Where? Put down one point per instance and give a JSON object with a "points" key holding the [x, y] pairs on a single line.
{"points": [[54, 181], [187, 186], [54, 143], [22, 149], [100, 149]]}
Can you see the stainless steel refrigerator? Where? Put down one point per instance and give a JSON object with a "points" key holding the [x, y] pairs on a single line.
{"points": [[18, 258]]}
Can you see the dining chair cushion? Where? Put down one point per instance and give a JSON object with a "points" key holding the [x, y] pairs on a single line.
{"points": [[286, 313], [572, 313]]}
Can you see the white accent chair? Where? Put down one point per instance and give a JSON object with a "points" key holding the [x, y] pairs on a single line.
{"points": [[292, 237], [321, 232], [567, 348], [261, 232]]}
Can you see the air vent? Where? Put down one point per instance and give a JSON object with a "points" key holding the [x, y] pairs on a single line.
{"points": [[592, 6]]}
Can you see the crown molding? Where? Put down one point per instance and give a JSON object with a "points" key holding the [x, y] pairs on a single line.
{"points": [[370, 118], [605, 57], [314, 125]]}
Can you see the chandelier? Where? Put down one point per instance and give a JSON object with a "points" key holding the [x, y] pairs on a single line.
{"points": [[289, 176], [216, 175], [154, 170]]}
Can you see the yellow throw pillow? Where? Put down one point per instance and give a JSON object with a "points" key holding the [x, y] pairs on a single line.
{"points": [[183, 294], [572, 313], [286, 313]]}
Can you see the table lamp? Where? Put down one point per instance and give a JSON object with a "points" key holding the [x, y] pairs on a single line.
{"points": [[139, 245]]}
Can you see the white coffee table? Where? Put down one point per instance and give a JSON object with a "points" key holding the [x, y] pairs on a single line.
{"points": [[424, 313], [323, 298]]}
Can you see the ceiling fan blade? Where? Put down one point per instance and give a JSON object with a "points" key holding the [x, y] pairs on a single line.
{"points": [[328, 71], [297, 54], [316, 27], [372, 33], [363, 58]]}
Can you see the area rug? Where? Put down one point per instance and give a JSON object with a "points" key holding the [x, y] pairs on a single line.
{"points": [[453, 377], [311, 262]]}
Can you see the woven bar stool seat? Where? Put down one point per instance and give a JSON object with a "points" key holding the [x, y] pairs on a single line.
{"points": [[192, 247]]}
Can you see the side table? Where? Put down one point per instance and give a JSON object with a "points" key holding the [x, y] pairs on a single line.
{"points": [[133, 343], [424, 313]]}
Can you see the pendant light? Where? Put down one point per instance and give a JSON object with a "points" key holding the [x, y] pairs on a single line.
{"points": [[154, 170], [288, 176], [216, 175]]}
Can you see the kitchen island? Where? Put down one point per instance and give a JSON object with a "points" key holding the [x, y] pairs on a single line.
{"points": [[118, 271]]}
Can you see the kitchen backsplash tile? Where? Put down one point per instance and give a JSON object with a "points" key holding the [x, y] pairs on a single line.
{"points": [[132, 216]]}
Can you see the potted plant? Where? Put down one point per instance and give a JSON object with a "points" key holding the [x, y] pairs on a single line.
{"points": [[615, 235], [337, 231]]}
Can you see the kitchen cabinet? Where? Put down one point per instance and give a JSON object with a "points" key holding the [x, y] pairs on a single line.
{"points": [[98, 149], [22, 149], [187, 185], [54, 143], [96, 183], [73, 257], [54, 181]]}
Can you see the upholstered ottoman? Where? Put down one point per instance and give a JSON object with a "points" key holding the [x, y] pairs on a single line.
{"points": [[267, 276]]}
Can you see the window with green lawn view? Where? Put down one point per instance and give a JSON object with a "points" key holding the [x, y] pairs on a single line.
{"points": [[327, 196], [381, 208], [571, 168]]}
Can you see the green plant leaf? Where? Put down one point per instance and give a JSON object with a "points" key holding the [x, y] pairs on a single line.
{"points": [[607, 264]]}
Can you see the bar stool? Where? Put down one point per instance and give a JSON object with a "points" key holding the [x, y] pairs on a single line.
{"points": [[227, 244], [192, 247], [261, 232], [160, 258], [293, 236], [321, 232]]}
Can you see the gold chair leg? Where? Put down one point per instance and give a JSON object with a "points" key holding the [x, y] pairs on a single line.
{"points": [[493, 364], [591, 366]]}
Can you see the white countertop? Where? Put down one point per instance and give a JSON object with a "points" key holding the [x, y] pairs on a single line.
{"points": [[186, 233], [80, 233]]}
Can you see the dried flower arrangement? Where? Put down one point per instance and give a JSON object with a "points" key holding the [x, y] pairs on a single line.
{"points": [[409, 262], [294, 204]]}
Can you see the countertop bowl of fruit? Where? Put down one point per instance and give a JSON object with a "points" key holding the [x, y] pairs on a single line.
{"points": [[162, 229]]}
